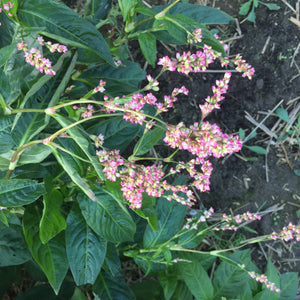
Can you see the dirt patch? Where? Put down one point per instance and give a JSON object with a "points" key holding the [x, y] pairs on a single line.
{"points": [[241, 185]]}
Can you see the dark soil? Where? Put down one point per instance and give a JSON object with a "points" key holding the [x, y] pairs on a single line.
{"points": [[241, 185]]}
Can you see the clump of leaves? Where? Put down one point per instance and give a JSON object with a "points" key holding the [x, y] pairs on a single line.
{"points": [[248, 8]]}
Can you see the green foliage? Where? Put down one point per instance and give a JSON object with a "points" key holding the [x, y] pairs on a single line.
{"points": [[292, 131], [62, 219], [248, 8]]}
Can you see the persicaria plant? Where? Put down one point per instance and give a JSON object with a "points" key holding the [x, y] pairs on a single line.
{"points": [[85, 187]]}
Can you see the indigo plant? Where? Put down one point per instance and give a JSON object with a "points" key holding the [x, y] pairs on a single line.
{"points": [[81, 191]]}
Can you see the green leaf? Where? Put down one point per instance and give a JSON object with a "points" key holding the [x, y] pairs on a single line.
{"points": [[28, 127], [251, 16], [142, 9], [6, 141], [126, 6], [288, 285], [170, 217], [271, 6], [13, 249], [3, 217], [147, 211], [189, 24], [147, 141], [172, 27], [110, 288], [51, 257], [45, 292], [297, 172], [85, 250], [107, 217], [7, 30], [242, 134], [182, 292], [5, 160], [201, 14], [257, 149], [283, 114], [40, 83], [191, 238], [78, 295], [18, 192], [6, 52], [63, 82], [229, 279], [74, 154], [35, 272], [112, 263], [196, 278], [118, 133], [81, 139], [120, 81], [206, 260], [67, 26], [34, 154], [147, 287], [64, 160], [97, 10], [52, 222], [168, 283], [147, 43], [246, 293], [244, 9]]}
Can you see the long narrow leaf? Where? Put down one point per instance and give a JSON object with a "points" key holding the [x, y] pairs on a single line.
{"points": [[81, 140]]}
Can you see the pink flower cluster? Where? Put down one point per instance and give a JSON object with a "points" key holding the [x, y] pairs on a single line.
{"points": [[264, 279], [139, 179], [88, 111], [199, 61], [68, 89], [245, 217], [287, 233], [188, 62], [238, 219], [99, 140], [52, 47], [243, 66], [191, 224], [7, 7], [35, 58], [201, 179], [133, 108], [100, 87], [152, 85], [213, 102], [202, 140], [2, 207], [195, 37]]}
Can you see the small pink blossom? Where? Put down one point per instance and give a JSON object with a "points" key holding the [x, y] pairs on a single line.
{"points": [[100, 87], [264, 279], [288, 233]]}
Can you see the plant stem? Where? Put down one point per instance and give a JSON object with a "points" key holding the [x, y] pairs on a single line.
{"points": [[16, 156]]}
